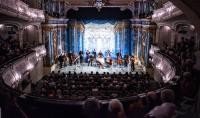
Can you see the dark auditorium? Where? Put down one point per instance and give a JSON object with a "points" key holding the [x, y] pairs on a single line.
{"points": [[99, 59]]}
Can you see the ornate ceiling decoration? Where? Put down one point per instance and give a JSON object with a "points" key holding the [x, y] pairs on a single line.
{"points": [[139, 8]]}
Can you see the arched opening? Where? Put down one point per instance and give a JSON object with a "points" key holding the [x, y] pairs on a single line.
{"points": [[31, 35], [164, 35]]}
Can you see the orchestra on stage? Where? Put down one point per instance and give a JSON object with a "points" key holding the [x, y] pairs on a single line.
{"points": [[94, 59]]}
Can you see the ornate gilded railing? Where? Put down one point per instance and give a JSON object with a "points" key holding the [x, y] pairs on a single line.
{"points": [[12, 73], [17, 8], [164, 65], [168, 11]]}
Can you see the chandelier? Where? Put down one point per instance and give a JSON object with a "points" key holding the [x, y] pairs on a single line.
{"points": [[99, 4]]}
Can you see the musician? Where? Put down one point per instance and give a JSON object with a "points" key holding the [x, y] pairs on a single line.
{"points": [[94, 53], [60, 59], [87, 56], [100, 59], [119, 58], [90, 60], [108, 58], [100, 54], [75, 58], [132, 63], [126, 57], [70, 56], [65, 59], [81, 56]]}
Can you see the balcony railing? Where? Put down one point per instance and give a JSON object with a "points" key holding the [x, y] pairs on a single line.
{"points": [[17, 8], [12, 73], [165, 67], [169, 10]]}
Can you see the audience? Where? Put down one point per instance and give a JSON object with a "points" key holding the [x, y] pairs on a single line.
{"points": [[10, 48], [102, 86], [136, 108], [94, 87], [152, 100], [185, 54], [167, 108]]}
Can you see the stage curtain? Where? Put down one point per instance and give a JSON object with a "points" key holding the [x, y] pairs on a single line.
{"points": [[123, 37], [74, 36]]}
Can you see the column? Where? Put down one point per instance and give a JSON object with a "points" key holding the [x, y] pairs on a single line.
{"points": [[21, 32], [132, 46], [157, 35], [39, 34], [173, 33]]}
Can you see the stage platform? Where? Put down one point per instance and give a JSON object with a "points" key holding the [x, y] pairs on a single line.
{"points": [[85, 68]]}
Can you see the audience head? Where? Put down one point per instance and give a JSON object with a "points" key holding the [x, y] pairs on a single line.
{"points": [[152, 96], [91, 108], [166, 110], [167, 95], [115, 106], [187, 75]]}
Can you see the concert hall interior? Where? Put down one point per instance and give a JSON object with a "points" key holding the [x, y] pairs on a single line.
{"points": [[99, 59]]}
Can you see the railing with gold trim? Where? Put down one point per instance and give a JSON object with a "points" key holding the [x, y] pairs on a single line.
{"points": [[165, 67], [17, 8], [169, 10], [13, 72]]}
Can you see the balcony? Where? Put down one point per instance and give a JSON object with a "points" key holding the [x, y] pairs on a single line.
{"points": [[169, 10], [162, 64], [12, 73], [17, 8]]}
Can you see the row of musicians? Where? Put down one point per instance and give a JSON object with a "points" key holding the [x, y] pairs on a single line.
{"points": [[73, 58]]}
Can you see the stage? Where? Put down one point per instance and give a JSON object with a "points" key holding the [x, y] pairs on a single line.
{"points": [[85, 68]]}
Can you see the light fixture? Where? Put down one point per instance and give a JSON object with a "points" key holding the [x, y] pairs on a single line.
{"points": [[167, 28], [99, 4], [29, 27]]}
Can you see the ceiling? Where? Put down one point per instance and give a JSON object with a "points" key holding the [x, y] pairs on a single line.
{"points": [[104, 14], [193, 4], [91, 2]]}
